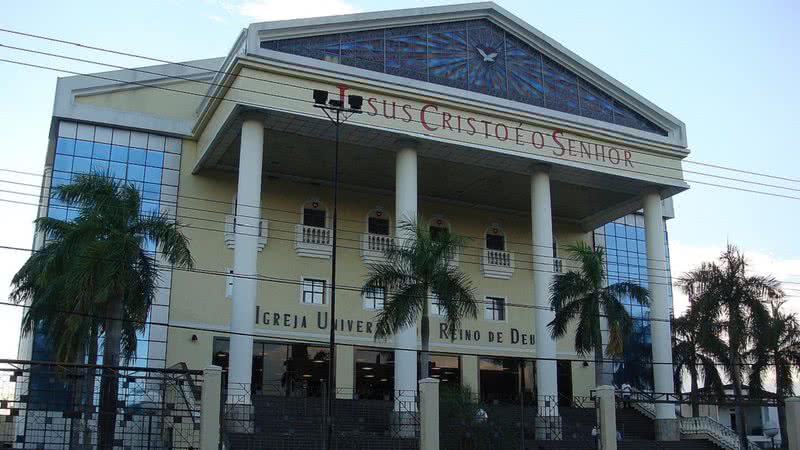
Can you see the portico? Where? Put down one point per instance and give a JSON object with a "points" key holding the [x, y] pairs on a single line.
{"points": [[534, 179]]}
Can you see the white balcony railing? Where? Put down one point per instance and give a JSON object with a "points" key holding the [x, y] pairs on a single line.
{"points": [[314, 242], [375, 246], [705, 427], [497, 264], [558, 265], [247, 229]]}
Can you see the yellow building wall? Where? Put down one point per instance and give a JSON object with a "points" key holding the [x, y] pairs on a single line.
{"points": [[198, 298], [176, 100]]}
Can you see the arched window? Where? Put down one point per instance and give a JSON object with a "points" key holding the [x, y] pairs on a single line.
{"points": [[378, 222], [495, 238], [437, 226], [315, 214]]}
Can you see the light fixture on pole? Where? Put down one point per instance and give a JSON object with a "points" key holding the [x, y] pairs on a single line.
{"points": [[338, 114]]}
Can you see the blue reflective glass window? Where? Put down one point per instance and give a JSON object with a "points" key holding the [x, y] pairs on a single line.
{"points": [[611, 257], [81, 165], [117, 170], [641, 247], [137, 156], [138, 185], [609, 229], [62, 162], [56, 212], [155, 158], [619, 230], [611, 243], [152, 175], [630, 232], [101, 151], [149, 207], [65, 146], [151, 191], [72, 214], [99, 166], [640, 233], [119, 153], [60, 178], [135, 173], [83, 148], [621, 244]]}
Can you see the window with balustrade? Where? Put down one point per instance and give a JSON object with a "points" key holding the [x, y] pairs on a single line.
{"points": [[496, 260], [378, 222], [314, 214], [438, 226], [495, 240]]}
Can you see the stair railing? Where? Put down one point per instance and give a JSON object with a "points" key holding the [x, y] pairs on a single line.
{"points": [[714, 431]]}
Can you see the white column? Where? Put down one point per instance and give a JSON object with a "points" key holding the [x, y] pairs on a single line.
{"points": [[405, 361], [659, 306], [248, 212], [209, 407], [792, 420], [429, 414], [542, 236], [607, 418]]}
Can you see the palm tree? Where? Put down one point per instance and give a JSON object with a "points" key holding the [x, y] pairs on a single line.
{"points": [[586, 296], [95, 275], [777, 346], [695, 350], [414, 270], [726, 293]]}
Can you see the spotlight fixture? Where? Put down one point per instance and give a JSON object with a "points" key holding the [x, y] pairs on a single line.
{"points": [[335, 103], [320, 96], [194, 338], [355, 101], [585, 364]]}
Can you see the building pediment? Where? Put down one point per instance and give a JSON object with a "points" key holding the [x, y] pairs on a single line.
{"points": [[479, 48]]}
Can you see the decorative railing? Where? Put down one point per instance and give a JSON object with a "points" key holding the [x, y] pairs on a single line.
{"points": [[314, 242], [232, 227], [708, 428], [558, 265], [375, 246], [497, 264]]}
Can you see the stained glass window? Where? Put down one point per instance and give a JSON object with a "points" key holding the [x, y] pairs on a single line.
{"points": [[475, 55]]}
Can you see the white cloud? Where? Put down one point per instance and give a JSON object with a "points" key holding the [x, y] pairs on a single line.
{"points": [[267, 10], [219, 19], [686, 257]]}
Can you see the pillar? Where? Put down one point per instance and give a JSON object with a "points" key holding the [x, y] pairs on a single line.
{"points": [[345, 364], [607, 417], [666, 423], [209, 407], [470, 373], [405, 341], [542, 241], [429, 414], [792, 419], [248, 212]]}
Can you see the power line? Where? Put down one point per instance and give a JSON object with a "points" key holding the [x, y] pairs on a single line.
{"points": [[526, 155], [618, 273], [220, 72]]}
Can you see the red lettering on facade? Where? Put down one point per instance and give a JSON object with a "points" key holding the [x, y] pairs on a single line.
{"points": [[555, 135], [422, 120]]}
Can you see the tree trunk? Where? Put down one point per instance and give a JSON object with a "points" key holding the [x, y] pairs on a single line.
{"points": [[781, 410], [109, 383], [425, 334], [599, 373], [88, 401], [695, 404], [78, 396], [741, 425]]}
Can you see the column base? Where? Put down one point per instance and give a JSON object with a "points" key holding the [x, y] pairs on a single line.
{"points": [[667, 430], [548, 428], [239, 418]]}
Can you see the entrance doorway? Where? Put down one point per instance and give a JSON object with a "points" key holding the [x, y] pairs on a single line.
{"points": [[564, 380]]}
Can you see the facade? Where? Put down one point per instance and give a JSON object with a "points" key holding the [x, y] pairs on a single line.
{"points": [[472, 120]]}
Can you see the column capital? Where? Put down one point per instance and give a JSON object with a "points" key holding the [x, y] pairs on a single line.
{"points": [[253, 114], [539, 167], [406, 142]]}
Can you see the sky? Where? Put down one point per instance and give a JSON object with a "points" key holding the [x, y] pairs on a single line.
{"points": [[728, 69]]}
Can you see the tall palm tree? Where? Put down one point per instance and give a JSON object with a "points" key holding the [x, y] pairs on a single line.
{"points": [[695, 350], [95, 276], [725, 292], [416, 270], [586, 295], [777, 348]]}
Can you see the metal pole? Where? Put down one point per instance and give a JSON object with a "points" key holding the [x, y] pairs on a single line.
{"points": [[332, 351]]}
